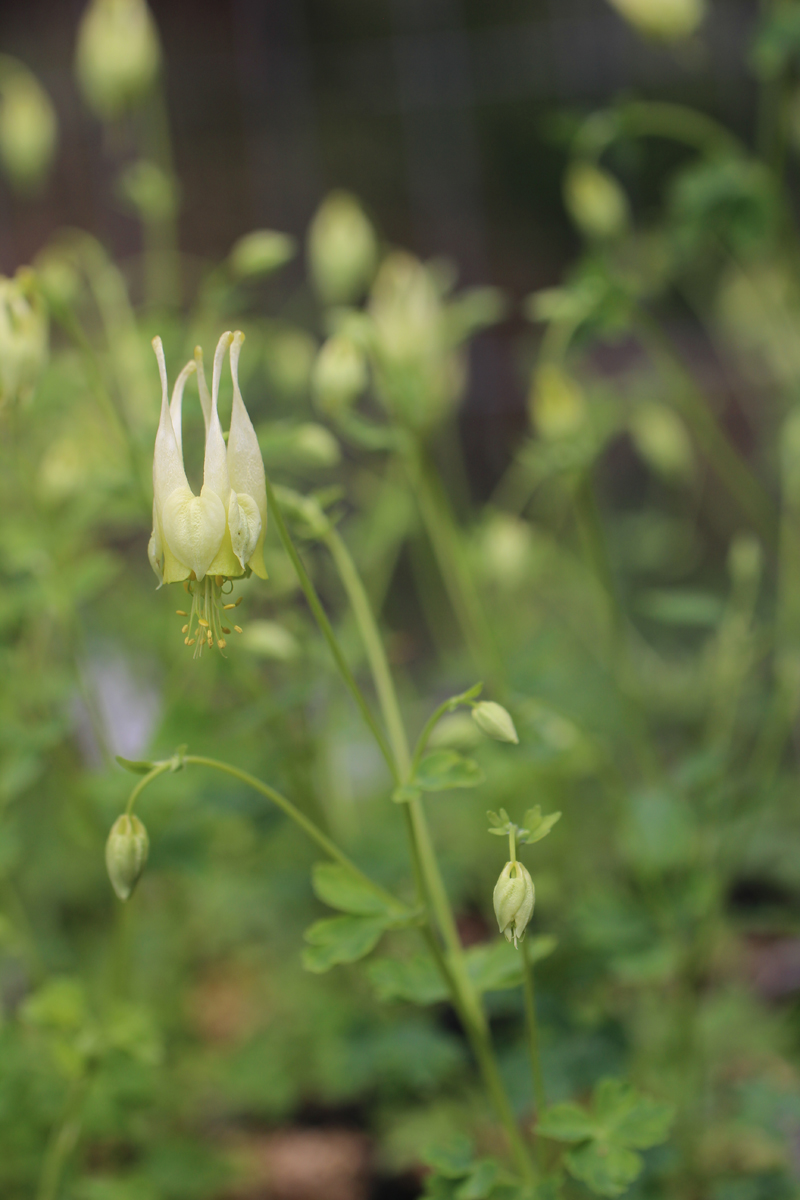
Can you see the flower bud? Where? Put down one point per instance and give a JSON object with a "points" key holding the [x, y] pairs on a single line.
{"points": [[514, 896], [28, 129], [339, 375], [595, 201], [126, 854], [118, 55], [342, 249], [662, 439], [495, 721], [669, 20], [260, 253], [557, 403]]}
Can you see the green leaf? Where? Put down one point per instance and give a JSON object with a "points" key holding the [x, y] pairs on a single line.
{"points": [[567, 1123], [341, 888], [341, 940], [645, 1125], [447, 769], [452, 1158], [415, 979], [465, 697], [480, 1182], [605, 1168], [406, 794], [495, 966], [136, 768], [539, 827]]}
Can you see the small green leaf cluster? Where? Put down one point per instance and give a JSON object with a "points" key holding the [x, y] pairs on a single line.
{"points": [[607, 1137], [368, 914], [534, 826]]}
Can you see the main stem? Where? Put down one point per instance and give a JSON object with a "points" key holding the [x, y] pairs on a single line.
{"points": [[533, 1030]]}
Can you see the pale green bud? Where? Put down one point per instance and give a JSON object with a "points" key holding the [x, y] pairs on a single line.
{"points": [[514, 896], [342, 249], [595, 201], [289, 356], [669, 20], [118, 55], [557, 403], [149, 190], [495, 721], [28, 128], [126, 854], [339, 375], [662, 439], [260, 253]]}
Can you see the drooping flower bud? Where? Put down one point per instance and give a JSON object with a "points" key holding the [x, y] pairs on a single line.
{"points": [[28, 127], [260, 253], [126, 854], [557, 403], [118, 55], [514, 896], [495, 721], [669, 20], [339, 375], [342, 249], [595, 201]]}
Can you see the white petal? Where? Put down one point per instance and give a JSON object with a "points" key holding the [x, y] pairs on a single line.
{"points": [[193, 527], [245, 465], [215, 468], [202, 386], [244, 523], [177, 402], [168, 472]]}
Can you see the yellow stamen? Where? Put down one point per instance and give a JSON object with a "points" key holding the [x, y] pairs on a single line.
{"points": [[190, 641], [202, 621], [225, 629], [221, 643], [229, 606], [237, 628], [180, 613], [219, 580], [184, 628]]}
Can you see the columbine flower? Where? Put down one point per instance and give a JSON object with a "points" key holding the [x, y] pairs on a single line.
{"points": [[208, 540], [514, 896]]}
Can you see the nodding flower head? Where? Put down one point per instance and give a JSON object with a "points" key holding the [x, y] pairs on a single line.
{"points": [[514, 896], [206, 541]]}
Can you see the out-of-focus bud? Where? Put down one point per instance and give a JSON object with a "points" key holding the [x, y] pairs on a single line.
{"points": [[118, 55], [662, 439], [745, 560], [28, 126], [595, 201], [513, 898], [57, 279], [495, 721], [505, 549], [126, 854], [313, 445], [23, 337], [289, 357], [669, 20], [557, 403], [260, 253], [339, 375], [342, 249], [149, 190]]}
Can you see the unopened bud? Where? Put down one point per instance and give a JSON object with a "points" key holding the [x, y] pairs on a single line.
{"points": [[558, 407], [118, 55], [495, 721], [260, 253], [514, 896], [342, 249], [23, 337], [339, 375], [126, 854], [595, 201], [662, 439], [669, 20], [28, 128]]}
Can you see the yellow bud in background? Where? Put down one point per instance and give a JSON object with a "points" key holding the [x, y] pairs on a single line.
{"points": [[557, 404], [662, 439], [28, 126], [495, 721], [342, 249], [118, 55], [513, 899], [668, 20], [126, 854], [339, 375], [595, 201]]}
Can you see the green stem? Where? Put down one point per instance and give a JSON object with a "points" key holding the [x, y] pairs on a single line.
{"points": [[373, 644], [145, 781], [61, 1144], [445, 538], [321, 618], [533, 1030], [645, 118]]}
